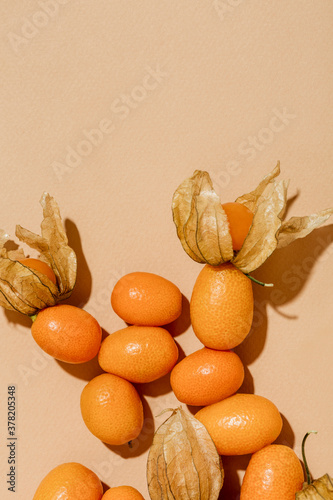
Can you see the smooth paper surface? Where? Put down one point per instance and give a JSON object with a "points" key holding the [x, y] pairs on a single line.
{"points": [[109, 106]]}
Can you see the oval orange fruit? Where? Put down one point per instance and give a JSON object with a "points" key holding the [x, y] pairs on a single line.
{"points": [[221, 306], [112, 409], [241, 424], [40, 266], [67, 333], [72, 481], [273, 473], [207, 376], [138, 353], [122, 493], [240, 220], [146, 299]]}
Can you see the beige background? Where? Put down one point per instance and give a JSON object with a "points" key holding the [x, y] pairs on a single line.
{"points": [[173, 87]]}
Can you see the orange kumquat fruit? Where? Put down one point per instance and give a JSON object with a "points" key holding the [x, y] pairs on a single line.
{"points": [[139, 353], [72, 481], [221, 306], [112, 409], [67, 333], [273, 473], [241, 424], [207, 376], [122, 493], [146, 299]]}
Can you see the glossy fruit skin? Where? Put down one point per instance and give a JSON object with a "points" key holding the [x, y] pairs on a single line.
{"points": [[273, 473], [112, 409], [207, 376], [241, 424], [138, 353], [39, 266], [72, 481], [240, 220], [67, 333], [122, 493], [221, 306], [146, 299]]}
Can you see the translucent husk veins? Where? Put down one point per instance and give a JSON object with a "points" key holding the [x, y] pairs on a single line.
{"points": [[318, 489], [202, 224], [26, 290], [183, 462]]}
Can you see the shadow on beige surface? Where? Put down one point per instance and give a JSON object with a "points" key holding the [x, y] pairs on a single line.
{"points": [[247, 386], [231, 485], [83, 285], [83, 371], [105, 487], [18, 319], [287, 435], [289, 269], [157, 388], [181, 324]]}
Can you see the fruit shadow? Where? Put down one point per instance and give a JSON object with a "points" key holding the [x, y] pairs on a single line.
{"points": [[84, 371], [143, 442], [17, 318], [83, 285], [105, 487], [287, 435], [232, 465], [181, 324], [247, 386], [289, 269], [232, 483]]}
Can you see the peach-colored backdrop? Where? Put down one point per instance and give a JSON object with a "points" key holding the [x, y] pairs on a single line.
{"points": [[109, 106]]}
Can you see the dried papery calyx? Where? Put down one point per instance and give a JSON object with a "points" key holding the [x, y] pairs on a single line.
{"points": [[319, 488], [27, 290], [183, 462], [203, 228]]}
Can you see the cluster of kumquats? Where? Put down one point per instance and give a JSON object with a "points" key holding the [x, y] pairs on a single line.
{"points": [[221, 314]]}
